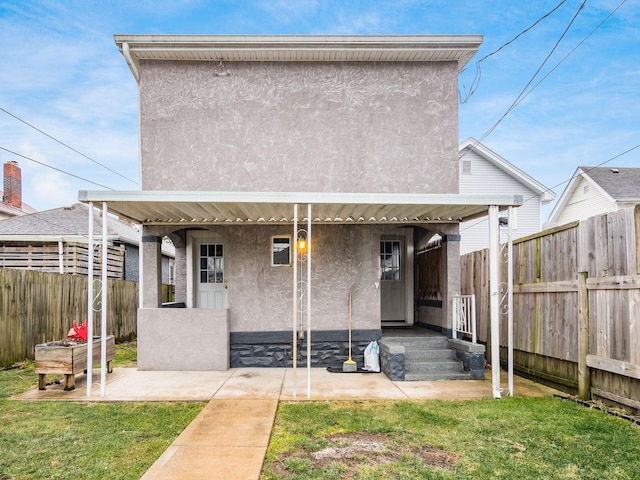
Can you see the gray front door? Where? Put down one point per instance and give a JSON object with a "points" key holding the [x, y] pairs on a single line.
{"points": [[392, 281]]}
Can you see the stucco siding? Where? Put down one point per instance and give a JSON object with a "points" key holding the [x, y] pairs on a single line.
{"points": [[328, 127], [344, 258], [486, 178]]}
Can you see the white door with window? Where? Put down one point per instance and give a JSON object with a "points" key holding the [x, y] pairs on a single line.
{"points": [[210, 280]]}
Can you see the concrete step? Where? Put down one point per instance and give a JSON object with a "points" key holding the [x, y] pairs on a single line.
{"points": [[432, 377], [439, 341], [434, 366], [415, 355]]}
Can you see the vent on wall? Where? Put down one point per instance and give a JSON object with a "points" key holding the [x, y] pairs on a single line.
{"points": [[466, 167], [585, 189]]}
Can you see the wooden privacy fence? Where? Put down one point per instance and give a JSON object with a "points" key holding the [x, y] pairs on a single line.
{"points": [[37, 307], [576, 305]]}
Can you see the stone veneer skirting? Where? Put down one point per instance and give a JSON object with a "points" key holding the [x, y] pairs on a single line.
{"points": [[329, 348]]}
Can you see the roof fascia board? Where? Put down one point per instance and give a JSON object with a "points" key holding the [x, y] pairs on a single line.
{"points": [[546, 194], [459, 48], [299, 197]]}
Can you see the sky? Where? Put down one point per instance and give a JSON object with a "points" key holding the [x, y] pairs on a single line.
{"points": [[565, 93]]}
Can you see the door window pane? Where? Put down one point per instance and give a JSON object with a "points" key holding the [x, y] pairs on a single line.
{"points": [[211, 263], [390, 260]]}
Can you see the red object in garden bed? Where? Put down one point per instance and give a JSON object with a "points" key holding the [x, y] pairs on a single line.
{"points": [[79, 332]]}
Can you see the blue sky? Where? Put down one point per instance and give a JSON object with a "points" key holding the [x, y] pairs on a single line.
{"points": [[61, 72]]}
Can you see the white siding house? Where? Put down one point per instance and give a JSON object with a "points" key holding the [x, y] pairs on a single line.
{"points": [[484, 171], [596, 190]]}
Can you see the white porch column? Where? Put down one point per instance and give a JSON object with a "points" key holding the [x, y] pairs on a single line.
{"points": [[510, 303], [309, 247], [294, 252], [494, 300], [103, 309], [90, 309]]}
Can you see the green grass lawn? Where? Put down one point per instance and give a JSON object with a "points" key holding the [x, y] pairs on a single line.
{"points": [[59, 440], [511, 438]]}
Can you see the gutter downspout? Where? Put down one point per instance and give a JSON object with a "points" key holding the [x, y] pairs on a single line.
{"points": [[127, 56]]}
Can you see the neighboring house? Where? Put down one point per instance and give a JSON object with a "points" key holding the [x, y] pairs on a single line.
{"points": [[293, 173], [482, 170], [56, 241], [12, 204], [595, 190]]}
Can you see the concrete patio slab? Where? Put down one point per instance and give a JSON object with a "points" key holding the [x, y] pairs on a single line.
{"points": [[130, 384], [253, 383], [339, 386]]}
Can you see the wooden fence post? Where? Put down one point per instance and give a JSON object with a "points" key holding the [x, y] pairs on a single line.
{"points": [[584, 376]]}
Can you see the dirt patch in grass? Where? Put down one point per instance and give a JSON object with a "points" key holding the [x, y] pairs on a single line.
{"points": [[350, 450]]}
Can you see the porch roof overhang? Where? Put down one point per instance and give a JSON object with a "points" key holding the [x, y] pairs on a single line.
{"points": [[200, 207]]}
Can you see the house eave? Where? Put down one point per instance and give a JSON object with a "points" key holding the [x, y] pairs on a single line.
{"points": [[299, 48]]}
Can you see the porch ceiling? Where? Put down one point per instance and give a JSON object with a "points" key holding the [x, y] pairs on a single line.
{"points": [[193, 208]]}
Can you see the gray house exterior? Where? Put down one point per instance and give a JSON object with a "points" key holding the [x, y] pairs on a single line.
{"points": [[252, 143]]}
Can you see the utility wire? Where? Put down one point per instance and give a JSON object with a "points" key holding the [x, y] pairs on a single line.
{"points": [[65, 145], [54, 168], [476, 81], [522, 92], [572, 51], [588, 170], [559, 184]]}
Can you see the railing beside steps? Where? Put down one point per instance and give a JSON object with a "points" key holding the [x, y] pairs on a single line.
{"points": [[464, 317]]}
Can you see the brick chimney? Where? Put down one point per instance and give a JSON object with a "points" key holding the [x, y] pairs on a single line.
{"points": [[12, 185]]}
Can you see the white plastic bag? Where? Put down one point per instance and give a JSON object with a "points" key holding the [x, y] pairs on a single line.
{"points": [[371, 357]]}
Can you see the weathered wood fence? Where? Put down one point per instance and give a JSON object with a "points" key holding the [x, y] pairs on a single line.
{"points": [[576, 306], [37, 307]]}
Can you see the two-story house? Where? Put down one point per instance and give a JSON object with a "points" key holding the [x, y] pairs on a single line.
{"points": [[293, 173]]}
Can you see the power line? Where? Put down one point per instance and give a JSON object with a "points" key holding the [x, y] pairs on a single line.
{"points": [[588, 170], [572, 51], [629, 150], [65, 145], [54, 168], [476, 81], [522, 92]]}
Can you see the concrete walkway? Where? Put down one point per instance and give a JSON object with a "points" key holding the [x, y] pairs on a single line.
{"points": [[229, 437]]}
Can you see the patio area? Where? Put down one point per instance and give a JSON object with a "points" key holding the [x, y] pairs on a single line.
{"points": [[130, 384]]}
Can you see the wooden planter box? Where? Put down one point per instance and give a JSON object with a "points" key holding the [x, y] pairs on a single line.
{"points": [[52, 359]]}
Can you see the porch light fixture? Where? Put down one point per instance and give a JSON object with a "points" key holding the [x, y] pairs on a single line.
{"points": [[303, 245]]}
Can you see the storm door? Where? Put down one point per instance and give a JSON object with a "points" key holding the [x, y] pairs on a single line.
{"points": [[392, 281], [210, 276]]}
